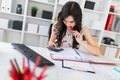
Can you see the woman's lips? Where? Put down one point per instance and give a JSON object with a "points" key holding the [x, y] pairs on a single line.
{"points": [[70, 27]]}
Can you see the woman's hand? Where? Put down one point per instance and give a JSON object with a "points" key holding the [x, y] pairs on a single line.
{"points": [[78, 36], [52, 44]]}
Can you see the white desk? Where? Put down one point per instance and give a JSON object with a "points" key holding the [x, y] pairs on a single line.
{"points": [[56, 72]]}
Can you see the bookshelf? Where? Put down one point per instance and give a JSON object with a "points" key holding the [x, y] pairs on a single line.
{"points": [[53, 6], [8, 34], [113, 32], [95, 19]]}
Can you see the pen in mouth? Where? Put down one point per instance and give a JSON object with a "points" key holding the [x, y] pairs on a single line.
{"points": [[71, 28]]}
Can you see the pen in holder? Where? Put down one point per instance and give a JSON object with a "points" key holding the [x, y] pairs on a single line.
{"points": [[26, 73]]}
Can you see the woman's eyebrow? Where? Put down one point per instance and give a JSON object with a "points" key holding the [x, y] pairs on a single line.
{"points": [[69, 21]]}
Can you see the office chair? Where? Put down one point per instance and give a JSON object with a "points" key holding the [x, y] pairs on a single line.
{"points": [[49, 31]]}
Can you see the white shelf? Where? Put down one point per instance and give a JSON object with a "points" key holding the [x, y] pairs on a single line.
{"points": [[114, 13], [94, 11], [36, 18], [111, 32], [42, 1], [94, 29], [59, 4], [13, 14], [35, 34], [109, 45], [32, 33], [13, 30]]}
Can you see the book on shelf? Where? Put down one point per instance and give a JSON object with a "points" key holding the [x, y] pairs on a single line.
{"points": [[109, 22], [117, 29], [115, 23]]}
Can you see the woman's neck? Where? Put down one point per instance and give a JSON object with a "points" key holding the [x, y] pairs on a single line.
{"points": [[68, 31]]}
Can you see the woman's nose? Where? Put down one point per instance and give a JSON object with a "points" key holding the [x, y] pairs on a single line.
{"points": [[68, 24]]}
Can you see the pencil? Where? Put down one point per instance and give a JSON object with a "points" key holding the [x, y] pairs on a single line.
{"points": [[18, 68]]}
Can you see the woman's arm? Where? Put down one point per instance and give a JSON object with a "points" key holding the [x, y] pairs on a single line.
{"points": [[51, 42], [91, 45]]}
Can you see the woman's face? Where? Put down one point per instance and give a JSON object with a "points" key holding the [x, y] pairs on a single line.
{"points": [[69, 22]]}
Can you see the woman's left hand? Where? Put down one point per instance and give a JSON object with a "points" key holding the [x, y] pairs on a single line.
{"points": [[78, 36]]}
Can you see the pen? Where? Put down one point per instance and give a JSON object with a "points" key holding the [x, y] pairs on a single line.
{"points": [[13, 73], [77, 53], [36, 64], [117, 69], [17, 66], [79, 70], [28, 62], [13, 76], [71, 28], [41, 76], [23, 64], [13, 66]]}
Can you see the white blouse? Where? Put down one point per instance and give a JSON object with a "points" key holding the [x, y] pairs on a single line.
{"points": [[67, 40]]}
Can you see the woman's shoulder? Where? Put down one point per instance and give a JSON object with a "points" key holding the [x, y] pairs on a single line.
{"points": [[54, 23], [85, 29]]}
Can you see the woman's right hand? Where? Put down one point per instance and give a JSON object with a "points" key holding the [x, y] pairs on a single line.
{"points": [[78, 36], [52, 44]]}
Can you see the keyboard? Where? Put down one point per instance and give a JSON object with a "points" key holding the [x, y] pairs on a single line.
{"points": [[32, 55]]}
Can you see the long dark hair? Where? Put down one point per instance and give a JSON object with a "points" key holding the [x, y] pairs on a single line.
{"points": [[73, 9]]}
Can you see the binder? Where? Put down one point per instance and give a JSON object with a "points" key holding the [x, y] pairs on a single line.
{"points": [[33, 28], [4, 23], [43, 30], [1, 35], [118, 26], [89, 5], [115, 22], [8, 5], [85, 58], [3, 6], [109, 22]]}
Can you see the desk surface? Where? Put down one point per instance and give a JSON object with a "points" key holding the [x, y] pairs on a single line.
{"points": [[56, 72]]}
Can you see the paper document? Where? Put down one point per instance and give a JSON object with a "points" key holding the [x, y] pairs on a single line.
{"points": [[79, 66], [81, 56], [88, 57], [67, 53]]}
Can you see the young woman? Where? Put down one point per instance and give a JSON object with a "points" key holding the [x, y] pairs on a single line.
{"points": [[68, 31]]}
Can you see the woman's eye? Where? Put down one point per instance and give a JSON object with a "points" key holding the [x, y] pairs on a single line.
{"points": [[71, 21]]}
